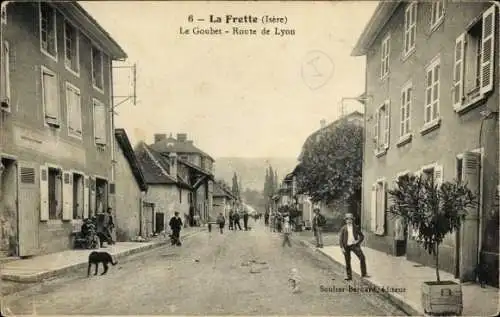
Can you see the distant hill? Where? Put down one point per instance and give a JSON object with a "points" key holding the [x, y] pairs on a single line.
{"points": [[252, 171]]}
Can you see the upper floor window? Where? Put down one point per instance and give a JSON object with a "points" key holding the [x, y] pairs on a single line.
{"points": [[473, 60], [50, 97], [97, 68], [437, 13], [406, 95], [432, 91], [74, 108], [410, 30], [384, 65], [71, 48], [48, 30], [382, 127], [5, 78], [99, 122]]}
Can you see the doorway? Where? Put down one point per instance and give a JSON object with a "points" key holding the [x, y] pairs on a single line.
{"points": [[78, 196], [8, 208], [101, 201], [159, 222]]}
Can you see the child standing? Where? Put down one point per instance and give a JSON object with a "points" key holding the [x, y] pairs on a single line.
{"points": [[287, 230], [221, 221]]}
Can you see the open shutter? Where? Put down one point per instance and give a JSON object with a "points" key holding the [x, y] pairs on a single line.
{"points": [[381, 211], [487, 50], [5, 78], [100, 122], [470, 170], [3, 14], [387, 123], [77, 112], [86, 197], [373, 210], [92, 209], [44, 193], [50, 98], [438, 175], [67, 213], [458, 71], [375, 129]]}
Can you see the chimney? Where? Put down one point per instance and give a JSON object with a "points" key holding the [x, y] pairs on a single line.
{"points": [[181, 137], [159, 137], [173, 164], [322, 123]]}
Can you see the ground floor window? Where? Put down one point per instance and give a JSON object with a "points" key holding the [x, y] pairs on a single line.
{"points": [[55, 193], [78, 196]]}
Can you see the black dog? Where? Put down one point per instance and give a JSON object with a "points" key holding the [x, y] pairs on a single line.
{"points": [[96, 257]]}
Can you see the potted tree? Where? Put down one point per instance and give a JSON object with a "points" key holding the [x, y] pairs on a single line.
{"points": [[433, 211]]}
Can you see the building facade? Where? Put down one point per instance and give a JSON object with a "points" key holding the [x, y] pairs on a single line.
{"points": [[130, 189], [223, 201], [56, 136], [432, 104]]}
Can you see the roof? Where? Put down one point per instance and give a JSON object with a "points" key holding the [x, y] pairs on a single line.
{"points": [[195, 167], [171, 145], [83, 20], [128, 152], [380, 17], [219, 191], [153, 171]]}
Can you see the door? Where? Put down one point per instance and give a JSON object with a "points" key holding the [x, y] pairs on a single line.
{"points": [[159, 222], [32, 201]]}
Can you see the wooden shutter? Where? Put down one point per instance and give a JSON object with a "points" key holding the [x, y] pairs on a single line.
{"points": [[3, 14], [438, 175], [373, 209], [387, 124], [381, 211], [74, 109], [5, 77], [67, 198], [470, 170], [50, 98], [375, 129], [100, 122], [86, 197], [92, 209], [488, 50], [458, 71], [44, 193]]}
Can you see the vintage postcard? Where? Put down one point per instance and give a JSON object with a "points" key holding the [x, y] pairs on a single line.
{"points": [[328, 158]]}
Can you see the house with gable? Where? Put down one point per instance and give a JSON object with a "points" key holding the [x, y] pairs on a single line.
{"points": [[224, 201]]}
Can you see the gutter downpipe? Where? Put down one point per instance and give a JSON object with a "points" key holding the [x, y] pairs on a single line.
{"points": [[497, 4]]}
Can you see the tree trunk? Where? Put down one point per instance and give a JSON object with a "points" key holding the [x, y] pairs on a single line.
{"points": [[436, 254]]}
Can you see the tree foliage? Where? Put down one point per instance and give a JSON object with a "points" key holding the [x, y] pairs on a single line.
{"points": [[432, 210], [236, 187], [331, 167]]}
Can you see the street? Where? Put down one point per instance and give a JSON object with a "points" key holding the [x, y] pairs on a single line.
{"points": [[210, 274]]}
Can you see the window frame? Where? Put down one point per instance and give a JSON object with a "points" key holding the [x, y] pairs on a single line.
{"points": [[77, 44], [60, 171], [57, 123], [385, 59], [433, 121], [411, 28], [406, 107], [101, 54], [54, 57], [94, 101], [71, 132], [434, 24], [7, 98]]}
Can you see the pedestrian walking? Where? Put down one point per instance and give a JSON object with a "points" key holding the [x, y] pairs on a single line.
{"points": [[237, 220], [221, 221], [245, 220], [231, 220], [350, 238], [318, 222], [175, 225], [287, 231]]}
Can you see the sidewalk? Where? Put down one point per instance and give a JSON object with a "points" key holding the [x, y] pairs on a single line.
{"points": [[42, 267], [397, 272]]}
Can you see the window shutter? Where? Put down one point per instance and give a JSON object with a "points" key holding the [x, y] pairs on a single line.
{"points": [[387, 124], [381, 211], [44, 193], [375, 129], [86, 197], [470, 170], [92, 208], [458, 71], [100, 123], [3, 14], [438, 175], [5, 77], [373, 210], [487, 50], [67, 196], [50, 98], [78, 113], [75, 110]]}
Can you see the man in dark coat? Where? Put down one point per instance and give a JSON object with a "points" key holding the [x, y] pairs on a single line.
{"points": [[237, 220], [350, 238], [176, 225], [245, 220]]}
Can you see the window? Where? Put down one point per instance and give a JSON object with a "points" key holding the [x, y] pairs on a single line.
{"points": [[74, 108], [432, 92], [55, 193], [437, 13], [378, 207], [5, 78], [406, 95], [50, 97], [48, 30], [410, 30], [78, 196], [99, 122], [71, 48], [473, 62], [385, 57], [382, 127], [97, 68]]}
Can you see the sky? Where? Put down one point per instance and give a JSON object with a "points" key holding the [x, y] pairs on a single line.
{"points": [[235, 95]]}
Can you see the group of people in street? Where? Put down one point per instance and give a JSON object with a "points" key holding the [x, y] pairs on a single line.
{"points": [[234, 220]]}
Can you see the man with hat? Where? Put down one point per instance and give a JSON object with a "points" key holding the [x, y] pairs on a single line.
{"points": [[317, 225], [350, 238]]}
